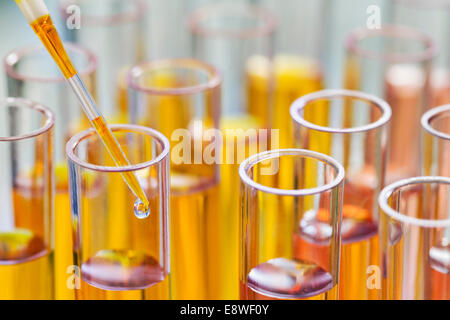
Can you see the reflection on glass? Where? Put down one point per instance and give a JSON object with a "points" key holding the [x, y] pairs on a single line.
{"points": [[119, 255], [290, 222]]}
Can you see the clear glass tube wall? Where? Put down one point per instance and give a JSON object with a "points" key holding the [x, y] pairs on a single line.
{"points": [[119, 255], [31, 73], [436, 142], [394, 63], [238, 39], [359, 141], [415, 239], [26, 194], [115, 31], [181, 99], [290, 225], [432, 17]]}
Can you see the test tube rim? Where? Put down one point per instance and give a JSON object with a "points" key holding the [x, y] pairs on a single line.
{"points": [[389, 30], [214, 81], [75, 140], [430, 115], [387, 192], [26, 103], [330, 94], [259, 12], [16, 55], [271, 154], [99, 20]]}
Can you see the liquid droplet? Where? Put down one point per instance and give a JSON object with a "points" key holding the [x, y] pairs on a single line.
{"points": [[141, 211]]}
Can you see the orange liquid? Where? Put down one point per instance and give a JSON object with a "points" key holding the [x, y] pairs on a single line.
{"points": [[359, 244], [113, 147], [46, 31], [405, 94], [294, 76], [25, 267], [440, 271], [249, 294], [26, 260], [120, 275], [283, 278], [108, 230], [440, 284]]}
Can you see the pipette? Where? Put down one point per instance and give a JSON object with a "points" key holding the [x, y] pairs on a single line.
{"points": [[38, 16]]}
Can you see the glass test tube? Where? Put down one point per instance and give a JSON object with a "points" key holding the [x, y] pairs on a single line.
{"points": [[433, 17], [181, 99], [394, 63], [238, 39], [32, 74], [358, 141], [290, 225], [114, 31], [26, 195], [118, 255], [415, 239], [297, 64], [436, 141]]}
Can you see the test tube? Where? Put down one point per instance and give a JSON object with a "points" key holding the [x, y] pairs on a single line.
{"points": [[181, 99], [26, 195], [115, 31], [433, 17], [436, 141], [32, 74], [359, 141], [297, 63], [117, 254], [290, 225], [415, 239], [238, 39], [394, 63]]}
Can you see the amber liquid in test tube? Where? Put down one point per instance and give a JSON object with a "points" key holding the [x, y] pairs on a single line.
{"points": [[394, 63], [404, 88], [26, 192], [272, 266], [414, 233], [236, 38], [359, 142], [36, 12]]}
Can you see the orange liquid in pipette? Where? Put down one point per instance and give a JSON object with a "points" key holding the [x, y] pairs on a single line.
{"points": [[120, 159], [46, 31]]}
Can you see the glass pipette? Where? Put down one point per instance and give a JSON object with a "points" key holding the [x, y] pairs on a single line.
{"points": [[38, 16]]}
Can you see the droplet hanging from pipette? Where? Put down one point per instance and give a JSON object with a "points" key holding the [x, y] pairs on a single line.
{"points": [[141, 211]]}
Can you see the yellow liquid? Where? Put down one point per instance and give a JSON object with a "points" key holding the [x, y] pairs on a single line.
{"points": [[195, 253], [63, 236], [108, 223], [233, 155], [119, 157], [195, 222], [26, 266], [46, 31], [29, 280], [295, 76], [249, 294], [123, 268], [159, 291]]}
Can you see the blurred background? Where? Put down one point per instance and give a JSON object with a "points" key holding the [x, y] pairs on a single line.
{"points": [[309, 26]]}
